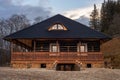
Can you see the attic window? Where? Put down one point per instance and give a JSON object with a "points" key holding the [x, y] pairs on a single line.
{"points": [[57, 26]]}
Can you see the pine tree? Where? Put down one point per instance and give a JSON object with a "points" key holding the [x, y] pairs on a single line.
{"points": [[114, 28], [107, 13], [94, 19]]}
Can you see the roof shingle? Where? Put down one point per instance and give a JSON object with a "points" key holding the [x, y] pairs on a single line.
{"points": [[40, 30]]}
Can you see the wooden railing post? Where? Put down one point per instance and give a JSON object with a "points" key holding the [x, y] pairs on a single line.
{"points": [[34, 44], [57, 46], [11, 50]]}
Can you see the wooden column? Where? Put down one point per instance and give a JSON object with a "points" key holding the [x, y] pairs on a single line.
{"points": [[11, 50], [68, 48], [79, 53], [57, 50], [57, 46], [21, 48], [79, 46], [34, 46]]}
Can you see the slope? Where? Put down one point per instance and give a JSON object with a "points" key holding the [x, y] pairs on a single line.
{"points": [[111, 50]]}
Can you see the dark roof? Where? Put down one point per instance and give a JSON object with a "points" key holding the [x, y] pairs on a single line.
{"points": [[40, 30]]}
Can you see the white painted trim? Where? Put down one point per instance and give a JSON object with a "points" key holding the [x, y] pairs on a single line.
{"points": [[50, 49], [82, 44]]}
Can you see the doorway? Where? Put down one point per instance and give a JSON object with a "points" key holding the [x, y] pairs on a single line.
{"points": [[65, 67]]}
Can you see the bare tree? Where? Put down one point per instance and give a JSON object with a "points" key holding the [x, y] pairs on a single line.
{"points": [[17, 22], [38, 19], [3, 30], [10, 25]]}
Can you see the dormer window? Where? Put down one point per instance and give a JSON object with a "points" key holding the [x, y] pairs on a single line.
{"points": [[57, 26]]}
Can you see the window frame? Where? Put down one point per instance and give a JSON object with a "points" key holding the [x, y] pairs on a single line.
{"points": [[57, 26], [82, 48], [51, 47], [85, 47]]}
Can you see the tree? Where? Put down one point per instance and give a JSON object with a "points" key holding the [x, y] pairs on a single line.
{"points": [[17, 22], [94, 19], [110, 17], [10, 25], [38, 19], [108, 10], [3, 32], [114, 29]]}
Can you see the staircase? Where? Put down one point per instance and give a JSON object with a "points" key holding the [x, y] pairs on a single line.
{"points": [[54, 65]]}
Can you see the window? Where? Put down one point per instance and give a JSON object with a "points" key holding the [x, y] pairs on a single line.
{"points": [[89, 65], [94, 46], [82, 47], [60, 27], [43, 65], [54, 27], [54, 47], [57, 26]]}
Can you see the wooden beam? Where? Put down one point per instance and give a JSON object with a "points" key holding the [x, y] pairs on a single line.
{"points": [[22, 44]]}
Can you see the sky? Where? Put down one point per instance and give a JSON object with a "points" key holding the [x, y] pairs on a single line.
{"points": [[75, 9]]}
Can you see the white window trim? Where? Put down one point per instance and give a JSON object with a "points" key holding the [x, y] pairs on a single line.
{"points": [[51, 44], [82, 44], [57, 26]]}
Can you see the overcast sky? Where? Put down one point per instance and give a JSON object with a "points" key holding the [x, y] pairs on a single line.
{"points": [[73, 9]]}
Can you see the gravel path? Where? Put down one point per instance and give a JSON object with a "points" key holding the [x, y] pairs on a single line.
{"points": [[7, 73]]}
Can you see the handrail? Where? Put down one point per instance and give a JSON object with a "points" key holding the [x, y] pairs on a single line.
{"points": [[61, 49], [58, 56]]}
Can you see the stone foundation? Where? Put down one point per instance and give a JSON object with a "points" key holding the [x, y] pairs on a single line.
{"points": [[49, 66], [93, 65], [53, 66], [28, 65], [98, 65]]}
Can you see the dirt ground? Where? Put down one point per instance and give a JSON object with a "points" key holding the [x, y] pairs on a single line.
{"points": [[7, 73]]}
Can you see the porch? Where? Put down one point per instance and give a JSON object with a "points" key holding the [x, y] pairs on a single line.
{"points": [[53, 52], [60, 57]]}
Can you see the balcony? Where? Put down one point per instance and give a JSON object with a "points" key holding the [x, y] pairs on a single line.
{"points": [[59, 56]]}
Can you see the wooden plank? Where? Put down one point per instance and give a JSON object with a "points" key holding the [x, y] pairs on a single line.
{"points": [[45, 56]]}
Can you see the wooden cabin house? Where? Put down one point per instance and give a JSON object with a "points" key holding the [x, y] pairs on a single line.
{"points": [[57, 43]]}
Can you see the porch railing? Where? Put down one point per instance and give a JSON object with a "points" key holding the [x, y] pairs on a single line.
{"points": [[51, 56]]}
